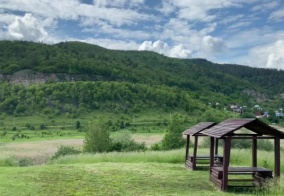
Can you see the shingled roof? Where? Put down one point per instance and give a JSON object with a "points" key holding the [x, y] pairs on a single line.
{"points": [[229, 126], [198, 128]]}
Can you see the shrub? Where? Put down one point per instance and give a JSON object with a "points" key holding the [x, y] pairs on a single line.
{"points": [[25, 161], [65, 150], [78, 125], [265, 145], [173, 138], [122, 142], [97, 138], [156, 146], [42, 126]]}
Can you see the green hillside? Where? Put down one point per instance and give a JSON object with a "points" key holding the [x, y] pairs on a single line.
{"points": [[129, 81]]}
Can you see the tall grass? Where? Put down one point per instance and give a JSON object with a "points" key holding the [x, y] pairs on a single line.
{"points": [[239, 157], [174, 156]]}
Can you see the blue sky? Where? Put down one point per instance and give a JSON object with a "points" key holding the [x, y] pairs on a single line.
{"points": [[246, 32]]}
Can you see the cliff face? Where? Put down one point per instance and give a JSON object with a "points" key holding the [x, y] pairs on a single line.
{"points": [[256, 95], [28, 77]]}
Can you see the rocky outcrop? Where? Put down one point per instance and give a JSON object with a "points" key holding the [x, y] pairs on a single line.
{"points": [[28, 77], [256, 95]]}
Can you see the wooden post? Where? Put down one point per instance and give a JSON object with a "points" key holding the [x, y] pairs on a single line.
{"points": [[254, 151], [194, 152], [216, 146], [277, 157], [187, 147], [226, 161], [211, 154]]}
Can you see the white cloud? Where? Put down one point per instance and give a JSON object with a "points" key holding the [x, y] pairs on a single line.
{"points": [[118, 3], [277, 15], [212, 44], [264, 7], [231, 19], [268, 56], [199, 10], [120, 33], [251, 38], [113, 44], [26, 28], [178, 51], [239, 25], [74, 10], [166, 8]]}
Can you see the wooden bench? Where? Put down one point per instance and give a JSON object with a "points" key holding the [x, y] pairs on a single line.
{"points": [[218, 160], [259, 175]]}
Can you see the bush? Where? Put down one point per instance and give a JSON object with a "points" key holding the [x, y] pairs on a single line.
{"points": [[173, 138], [25, 161], [42, 127], [156, 146], [265, 145], [65, 150], [122, 142], [97, 138]]}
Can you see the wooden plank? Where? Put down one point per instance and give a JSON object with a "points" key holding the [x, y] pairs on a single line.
{"points": [[243, 169], [277, 157], [194, 152], [251, 137], [211, 153], [254, 152], [216, 182], [205, 157], [216, 146], [241, 180], [226, 156], [187, 146]]}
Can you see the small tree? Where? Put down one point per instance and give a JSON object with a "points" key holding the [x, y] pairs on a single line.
{"points": [[78, 125], [173, 138], [97, 138]]}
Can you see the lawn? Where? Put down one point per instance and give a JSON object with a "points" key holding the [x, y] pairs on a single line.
{"points": [[26, 169], [106, 179]]}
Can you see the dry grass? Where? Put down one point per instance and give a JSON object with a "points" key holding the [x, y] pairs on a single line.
{"points": [[148, 139], [37, 152], [40, 152]]}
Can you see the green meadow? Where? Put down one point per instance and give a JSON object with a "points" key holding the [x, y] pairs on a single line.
{"points": [[26, 169]]}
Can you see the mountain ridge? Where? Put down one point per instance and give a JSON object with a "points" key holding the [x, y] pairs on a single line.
{"points": [[23, 62]]}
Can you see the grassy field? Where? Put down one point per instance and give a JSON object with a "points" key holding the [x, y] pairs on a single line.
{"points": [[132, 173], [26, 168], [144, 121], [106, 179], [153, 173]]}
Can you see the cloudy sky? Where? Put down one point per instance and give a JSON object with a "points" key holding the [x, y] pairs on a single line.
{"points": [[247, 32]]}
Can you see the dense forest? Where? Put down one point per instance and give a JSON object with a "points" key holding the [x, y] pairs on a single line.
{"points": [[128, 81]]}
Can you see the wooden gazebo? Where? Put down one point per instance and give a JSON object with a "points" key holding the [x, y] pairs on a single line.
{"points": [[227, 130], [196, 131]]}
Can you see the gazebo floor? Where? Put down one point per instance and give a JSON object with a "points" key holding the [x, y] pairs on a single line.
{"points": [[259, 176]]}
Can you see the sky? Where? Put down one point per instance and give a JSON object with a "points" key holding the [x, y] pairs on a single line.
{"points": [[244, 32]]}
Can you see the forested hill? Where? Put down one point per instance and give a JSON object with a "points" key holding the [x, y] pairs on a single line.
{"points": [[205, 81], [271, 79]]}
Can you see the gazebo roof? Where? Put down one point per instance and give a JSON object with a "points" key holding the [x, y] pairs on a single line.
{"points": [[229, 126], [198, 128]]}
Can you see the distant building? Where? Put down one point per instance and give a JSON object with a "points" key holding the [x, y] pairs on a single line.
{"points": [[258, 114], [266, 114], [236, 108], [279, 114]]}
